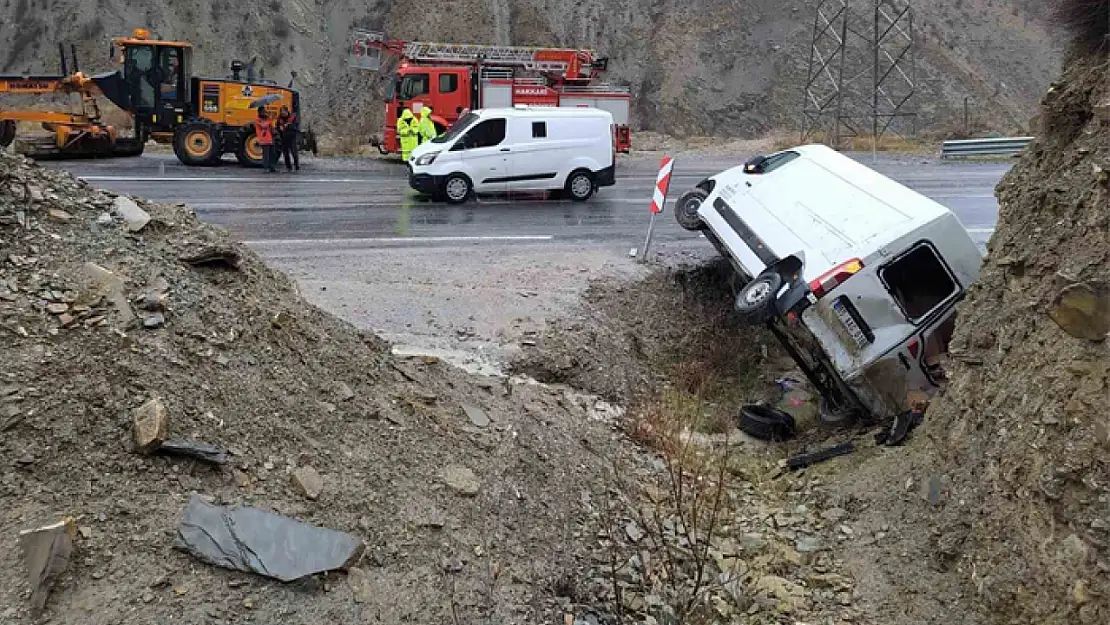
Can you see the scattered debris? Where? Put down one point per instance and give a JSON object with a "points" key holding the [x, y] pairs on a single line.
{"points": [[476, 415], [46, 552], [151, 426], [135, 217], [309, 482], [802, 461], [213, 256], [462, 480], [252, 540], [196, 450]]}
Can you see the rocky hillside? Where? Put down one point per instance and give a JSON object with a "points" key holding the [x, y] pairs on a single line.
{"points": [[725, 67]]}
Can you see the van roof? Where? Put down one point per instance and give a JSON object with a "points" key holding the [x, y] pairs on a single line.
{"points": [[832, 209], [543, 111]]}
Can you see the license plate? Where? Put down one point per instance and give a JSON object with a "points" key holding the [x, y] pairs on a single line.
{"points": [[850, 324]]}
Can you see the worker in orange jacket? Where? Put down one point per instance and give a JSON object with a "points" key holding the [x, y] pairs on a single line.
{"points": [[264, 131]]}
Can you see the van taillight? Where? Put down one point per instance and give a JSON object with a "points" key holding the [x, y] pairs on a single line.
{"points": [[835, 277], [914, 347]]}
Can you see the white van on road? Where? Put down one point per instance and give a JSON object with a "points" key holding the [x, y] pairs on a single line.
{"points": [[857, 275], [518, 149]]}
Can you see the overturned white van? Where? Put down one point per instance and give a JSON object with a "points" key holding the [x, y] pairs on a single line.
{"points": [[857, 275]]}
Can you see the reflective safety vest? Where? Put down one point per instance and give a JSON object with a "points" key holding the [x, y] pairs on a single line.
{"points": [[264, 130]]}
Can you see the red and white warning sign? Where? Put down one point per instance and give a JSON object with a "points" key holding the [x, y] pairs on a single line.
{"points": [[662, 184]]}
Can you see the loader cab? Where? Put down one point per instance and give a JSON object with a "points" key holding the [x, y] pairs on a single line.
{"points": [[156, 78]]}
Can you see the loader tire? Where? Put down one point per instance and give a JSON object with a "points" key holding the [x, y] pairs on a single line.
{"points": [[249, 152], [7, 132], [197, 143]]}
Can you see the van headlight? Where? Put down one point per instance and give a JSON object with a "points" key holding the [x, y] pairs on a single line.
{"points": [[426, 159]]}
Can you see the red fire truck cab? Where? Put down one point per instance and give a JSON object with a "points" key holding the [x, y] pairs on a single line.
{"points": [[453, 79]]}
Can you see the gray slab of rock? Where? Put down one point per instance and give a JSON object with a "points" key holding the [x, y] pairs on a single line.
{"points": [[255, 541], [462, 480], [135, 217], [46, 552], [476, 415]]}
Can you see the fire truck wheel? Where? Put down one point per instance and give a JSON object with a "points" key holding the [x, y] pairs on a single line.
{"points": [[580, 185], [686, 210], [456, 189]]}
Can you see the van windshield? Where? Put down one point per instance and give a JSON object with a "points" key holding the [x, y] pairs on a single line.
{"points": [[454, 131]]}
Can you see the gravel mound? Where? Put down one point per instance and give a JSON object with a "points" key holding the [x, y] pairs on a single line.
{"points": [[108, 304]]}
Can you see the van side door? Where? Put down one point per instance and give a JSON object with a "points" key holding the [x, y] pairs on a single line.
{"points": [[535, 159], [485, 154]]}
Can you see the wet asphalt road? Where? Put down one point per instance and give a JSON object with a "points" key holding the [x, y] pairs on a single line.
{"points": [[368, 201]]}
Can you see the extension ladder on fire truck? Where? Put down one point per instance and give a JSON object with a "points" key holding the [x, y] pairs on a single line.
{"points": [[533, 59]]}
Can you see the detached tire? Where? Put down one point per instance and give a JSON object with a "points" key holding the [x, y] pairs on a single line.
{"points": [[197, 143], [767, 424], [756, 301], [456, 189], [686, 210], [580, 186]]}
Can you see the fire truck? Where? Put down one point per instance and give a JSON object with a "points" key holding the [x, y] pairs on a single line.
{"points": [[455, 78]]}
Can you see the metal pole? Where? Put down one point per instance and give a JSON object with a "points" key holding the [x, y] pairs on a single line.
{"points": [[875, 86], [840, 76], [967, 125], [647, 241]]}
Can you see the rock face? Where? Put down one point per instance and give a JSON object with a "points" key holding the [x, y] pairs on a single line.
{"points": [[700, 67], [1023, 431]]}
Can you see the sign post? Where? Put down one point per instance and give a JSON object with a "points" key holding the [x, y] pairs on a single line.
{"points": [[658, 199]]}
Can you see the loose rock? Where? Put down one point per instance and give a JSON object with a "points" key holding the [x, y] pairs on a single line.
{"points": [[476, 415], [151, 426], [309, 482], [1083, 311], [462, 480], [135, 217]]}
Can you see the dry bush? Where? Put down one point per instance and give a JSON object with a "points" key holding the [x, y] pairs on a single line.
{"points": [[1088, 22]]}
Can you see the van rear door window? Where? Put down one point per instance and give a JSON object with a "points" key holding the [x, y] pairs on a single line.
{"points": [[919, 282]]}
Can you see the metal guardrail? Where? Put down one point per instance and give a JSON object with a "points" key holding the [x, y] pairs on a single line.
{"points": [[1002, 146]]}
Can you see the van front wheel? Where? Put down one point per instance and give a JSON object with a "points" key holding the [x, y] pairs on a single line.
{"points": [[580, 186], [686, 210], [756, 300], [456, 189]]}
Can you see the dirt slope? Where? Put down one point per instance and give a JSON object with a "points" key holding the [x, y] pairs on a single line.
{"points": [[240, 361], [707, 67], [1025, 420], [1001, 511]]}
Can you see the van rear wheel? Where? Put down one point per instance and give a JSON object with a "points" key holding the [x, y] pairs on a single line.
{"points": [[686, 211], [756, 301], [580, 185]]}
